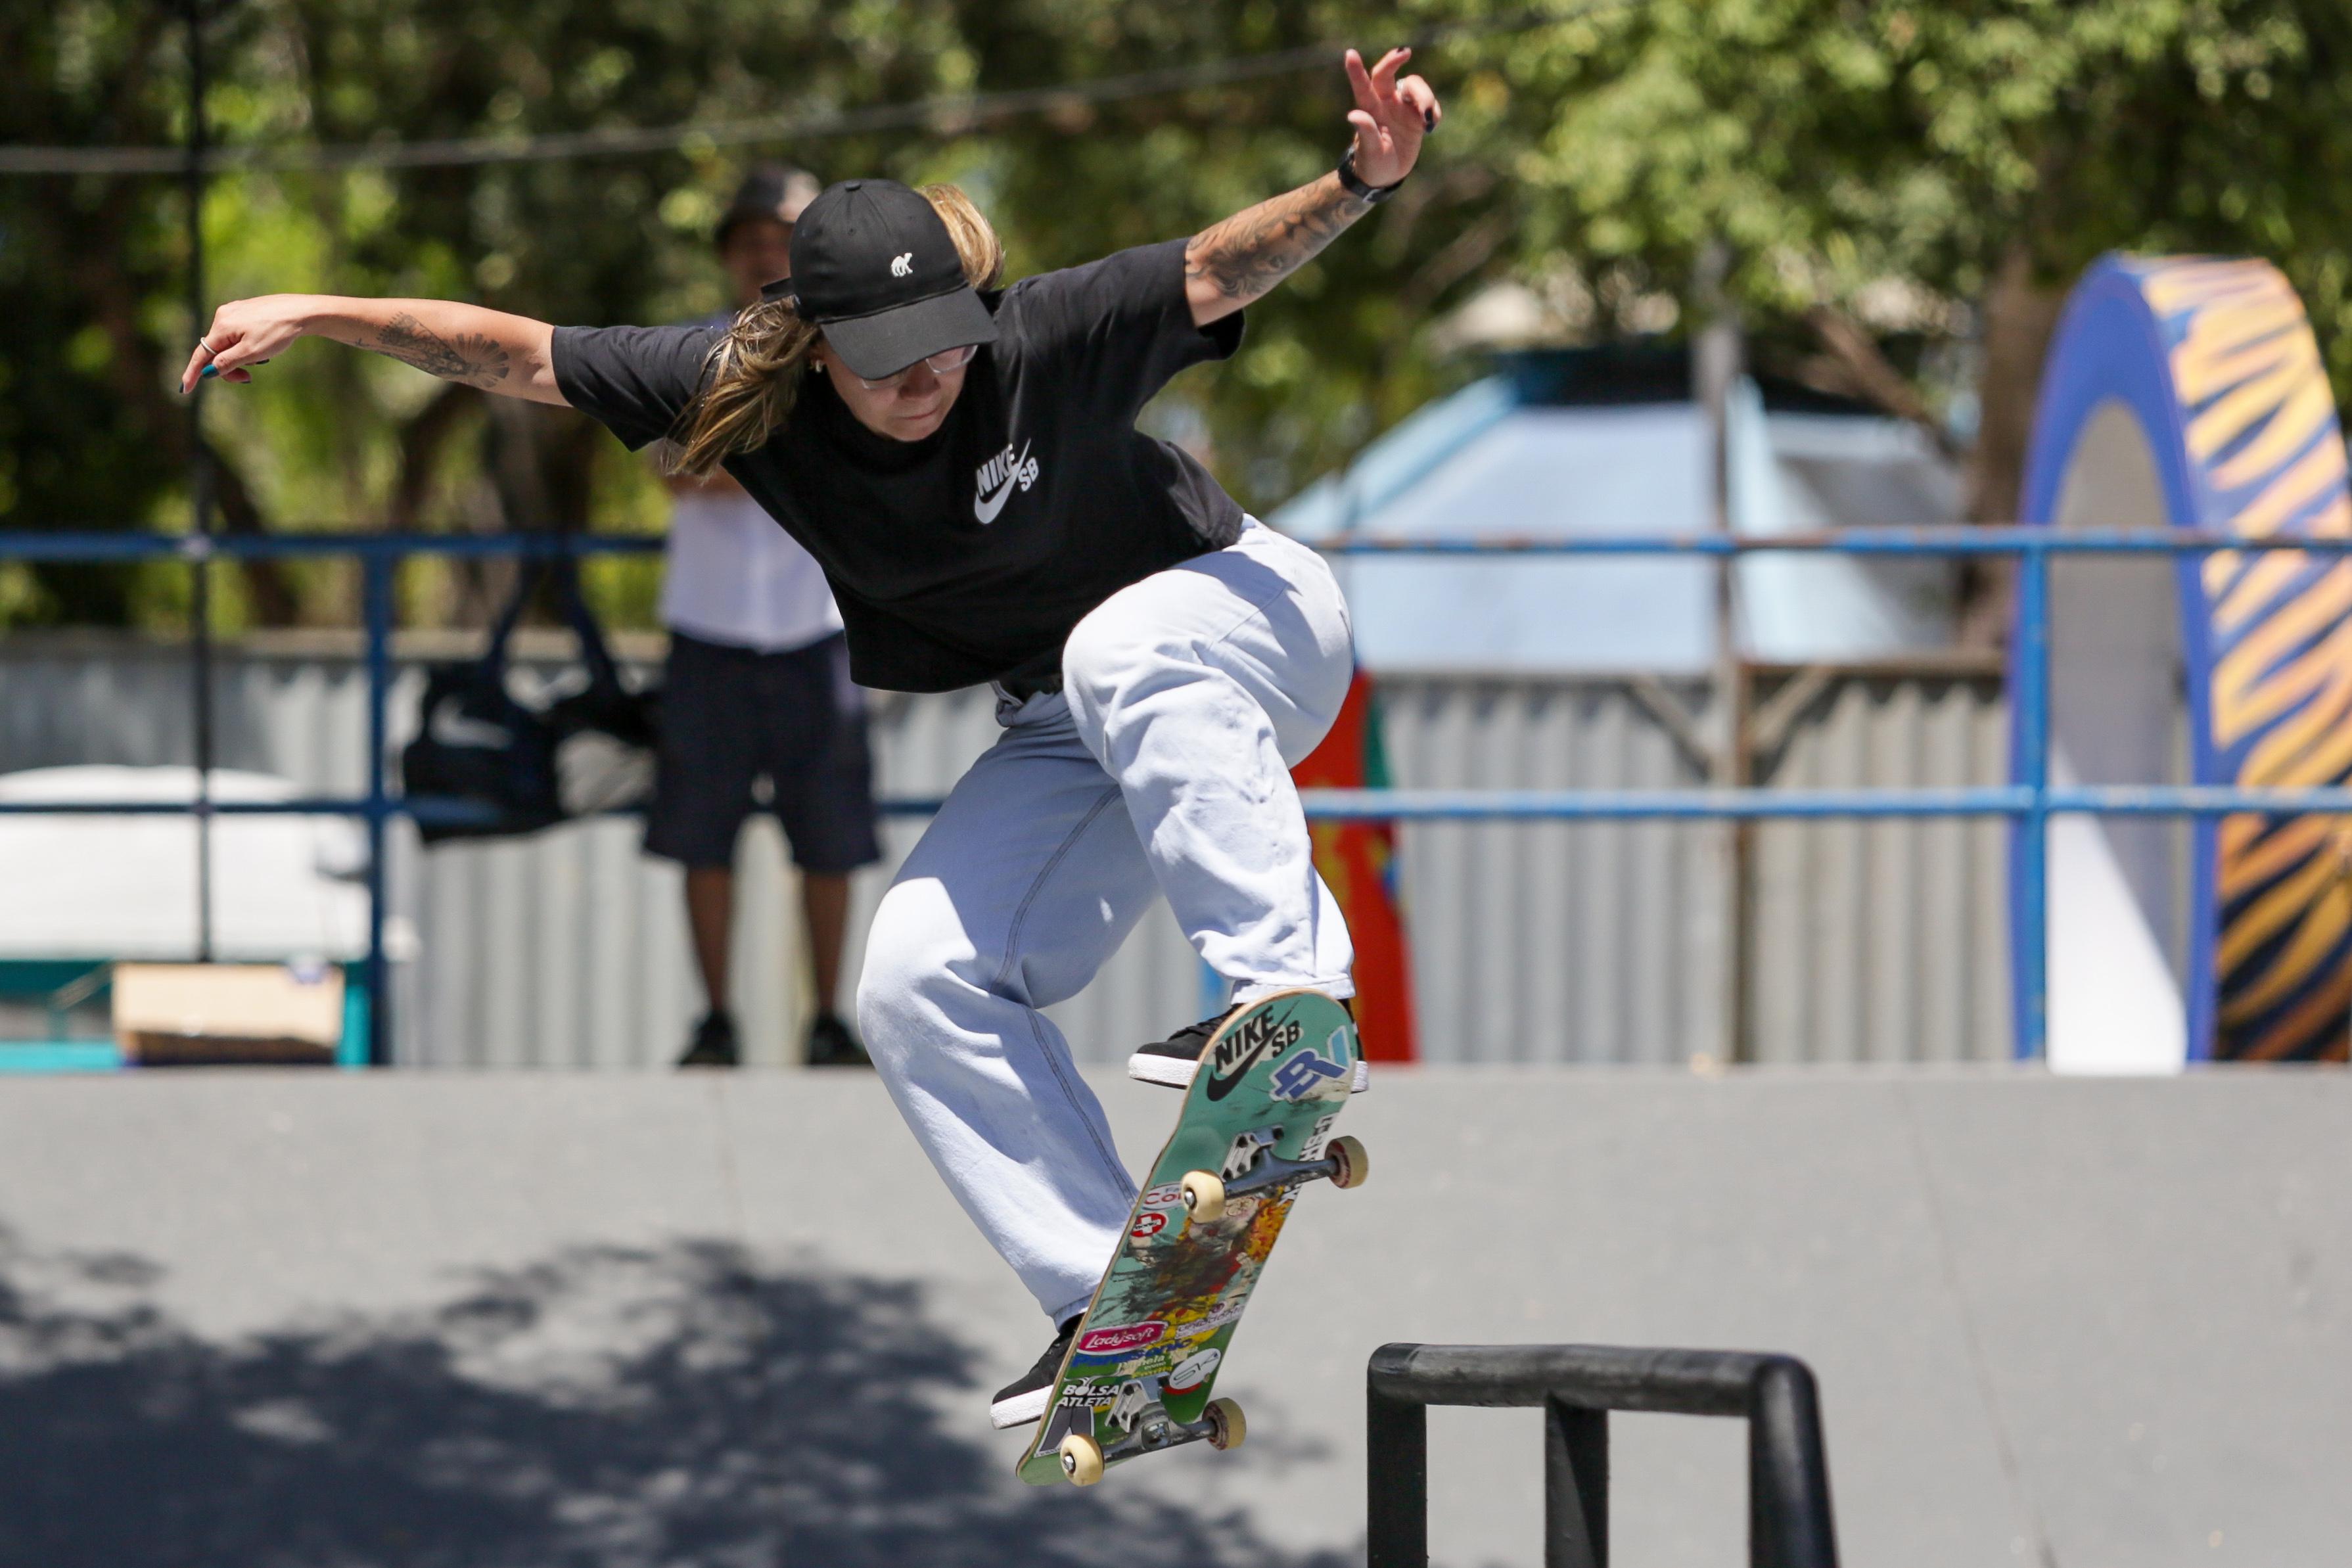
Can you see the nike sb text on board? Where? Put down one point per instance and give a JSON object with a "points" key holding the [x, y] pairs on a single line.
{"points": [[992, 484], [1257, 1038]]}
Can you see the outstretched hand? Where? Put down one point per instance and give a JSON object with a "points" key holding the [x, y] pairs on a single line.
{"points": [[1390, 117], [243, 334]]}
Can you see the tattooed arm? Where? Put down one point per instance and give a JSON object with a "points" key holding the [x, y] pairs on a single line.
{"points": [[1229, 264], [487, 349]]}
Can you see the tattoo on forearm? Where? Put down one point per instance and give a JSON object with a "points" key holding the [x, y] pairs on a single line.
{"points": [[471, 358], [1250, 252]]}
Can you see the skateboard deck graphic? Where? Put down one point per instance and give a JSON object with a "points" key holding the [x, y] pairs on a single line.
{"points": [[1257, 1122]]}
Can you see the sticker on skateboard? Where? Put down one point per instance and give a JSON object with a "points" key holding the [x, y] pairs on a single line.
{"points": [[1255, 1125]]}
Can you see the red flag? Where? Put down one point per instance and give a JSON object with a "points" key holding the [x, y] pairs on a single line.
{"points": [[1357, 860]]}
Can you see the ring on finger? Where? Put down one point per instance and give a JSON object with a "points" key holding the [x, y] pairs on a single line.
{"points": [[209, 348]]}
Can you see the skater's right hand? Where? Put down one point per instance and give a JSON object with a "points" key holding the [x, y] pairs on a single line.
{"points": [[243, 334], [491, 350]]}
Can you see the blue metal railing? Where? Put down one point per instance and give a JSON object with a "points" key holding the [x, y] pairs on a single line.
{"points": [[2030, 802]]}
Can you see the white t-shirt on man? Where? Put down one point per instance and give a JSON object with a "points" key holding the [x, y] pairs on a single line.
{"points": [[736, 577]]}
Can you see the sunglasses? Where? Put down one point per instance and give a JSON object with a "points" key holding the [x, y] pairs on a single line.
{"points": [[941, 364]]}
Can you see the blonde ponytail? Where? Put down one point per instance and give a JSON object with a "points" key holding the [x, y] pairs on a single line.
{"points": [[753, 375], [752, 379], [976, 244]]}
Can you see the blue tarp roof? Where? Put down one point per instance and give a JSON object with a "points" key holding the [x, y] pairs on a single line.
{"points": [[1558, 446]]}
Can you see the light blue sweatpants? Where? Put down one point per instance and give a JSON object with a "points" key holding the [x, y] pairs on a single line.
{"points": [[1161, 768]]}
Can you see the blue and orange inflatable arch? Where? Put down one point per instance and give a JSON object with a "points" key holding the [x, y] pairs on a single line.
{"points": [[2191, 392]]}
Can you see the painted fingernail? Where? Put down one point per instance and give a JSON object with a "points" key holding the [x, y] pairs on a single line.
{"points": [[209, 372], [1429, 119]]}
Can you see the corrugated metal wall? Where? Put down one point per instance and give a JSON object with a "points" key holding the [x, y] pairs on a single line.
{"points": [[1533, 942], [567, 948], [1557, 940], [1883, 940]]}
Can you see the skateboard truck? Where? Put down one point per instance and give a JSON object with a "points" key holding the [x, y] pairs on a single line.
{"points": [[1138, 1412], [1252, 1166], [1146, 1426]]}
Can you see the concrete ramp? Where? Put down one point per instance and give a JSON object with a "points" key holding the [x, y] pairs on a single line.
{"points": [[261, 1319]]}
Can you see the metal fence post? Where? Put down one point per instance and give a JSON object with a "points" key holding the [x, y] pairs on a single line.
{"points": [[2032, 898], [1789, 1517], [377, 569], [200, 485], [1396, 1475], [1576, 1486]]}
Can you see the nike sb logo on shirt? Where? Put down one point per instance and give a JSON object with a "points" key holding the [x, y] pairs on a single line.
{"points": [[992, 484]]}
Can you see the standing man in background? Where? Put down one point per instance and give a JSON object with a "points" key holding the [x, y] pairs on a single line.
{"points": [[757, 689]]}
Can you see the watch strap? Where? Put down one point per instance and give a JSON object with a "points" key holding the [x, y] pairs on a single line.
{"points": [[1370, 195]]}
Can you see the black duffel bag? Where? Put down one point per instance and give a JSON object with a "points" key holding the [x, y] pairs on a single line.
{"points": [[590, 750]]}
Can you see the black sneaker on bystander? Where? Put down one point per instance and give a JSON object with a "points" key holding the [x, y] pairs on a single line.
{"points": [[714, 1042], [831, 1045]]}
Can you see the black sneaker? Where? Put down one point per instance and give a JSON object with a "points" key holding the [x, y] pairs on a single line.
{"points": [[1022, 1400], [714, 1043], [1174, 1060], [831, 1045]]}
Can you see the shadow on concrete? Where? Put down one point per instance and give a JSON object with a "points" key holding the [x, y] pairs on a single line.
{"points": [[603, 1408]]}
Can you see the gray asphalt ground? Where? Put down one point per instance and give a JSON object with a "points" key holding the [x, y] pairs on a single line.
{"points": [[257, 1319]]}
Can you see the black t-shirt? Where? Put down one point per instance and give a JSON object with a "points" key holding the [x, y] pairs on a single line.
{"points": [[969, 554]]}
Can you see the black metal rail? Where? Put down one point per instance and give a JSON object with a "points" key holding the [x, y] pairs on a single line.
{"points": [[1789, 1521]]}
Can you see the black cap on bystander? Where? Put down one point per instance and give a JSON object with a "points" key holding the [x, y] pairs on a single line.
{"points": [[771, 191]]}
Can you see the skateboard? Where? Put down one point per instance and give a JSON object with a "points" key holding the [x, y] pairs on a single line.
{"points": [[1255, 1126]]}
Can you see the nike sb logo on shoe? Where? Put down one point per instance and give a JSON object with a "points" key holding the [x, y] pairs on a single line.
{"points": [[992, 483]]}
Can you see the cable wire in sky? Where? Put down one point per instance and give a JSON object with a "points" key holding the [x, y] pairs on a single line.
{"points": [[950, 113]]}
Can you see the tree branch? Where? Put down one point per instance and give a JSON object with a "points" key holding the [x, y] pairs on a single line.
{"points": [[1462, 255], [1875, 377], [140, 379], [420, 441]]}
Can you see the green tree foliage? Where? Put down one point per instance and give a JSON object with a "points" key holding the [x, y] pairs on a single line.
{"points": [[79, 444], [1978, 153], [336, 439], [1934, 173]]}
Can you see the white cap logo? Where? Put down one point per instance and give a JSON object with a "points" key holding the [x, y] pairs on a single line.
{"points": [[902, 266]]}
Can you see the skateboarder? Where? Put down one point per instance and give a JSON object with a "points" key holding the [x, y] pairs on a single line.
{"points": [[963, 462]]}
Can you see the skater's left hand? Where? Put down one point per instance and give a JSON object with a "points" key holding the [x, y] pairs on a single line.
{"points": [[1392, 113]]}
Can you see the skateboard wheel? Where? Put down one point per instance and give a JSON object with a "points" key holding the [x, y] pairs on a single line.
{"points": [[1082, 1459], [1204, 1196], [1355, 1164], [1226, 1428]]}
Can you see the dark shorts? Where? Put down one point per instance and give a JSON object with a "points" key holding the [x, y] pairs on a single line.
{"points": [[730, 717]]}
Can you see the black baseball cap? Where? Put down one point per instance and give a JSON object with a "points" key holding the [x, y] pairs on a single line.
{"points": [[874, 266], [771, 190]]}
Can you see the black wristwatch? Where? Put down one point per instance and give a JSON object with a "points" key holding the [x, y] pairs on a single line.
{"points": [[1371, 195]]}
